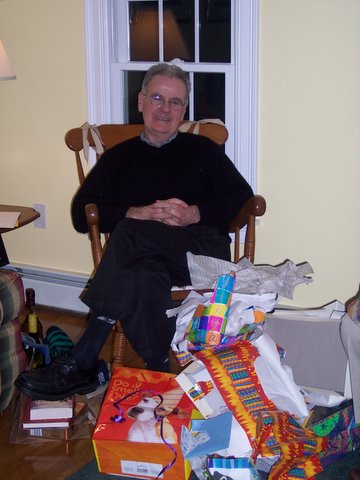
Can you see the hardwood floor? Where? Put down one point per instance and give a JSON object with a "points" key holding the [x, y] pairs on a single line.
{"points": [[54, 460], [43, 461], [47, 460]]}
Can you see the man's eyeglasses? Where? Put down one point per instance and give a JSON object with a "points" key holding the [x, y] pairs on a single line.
{"points": [[159, 101]]}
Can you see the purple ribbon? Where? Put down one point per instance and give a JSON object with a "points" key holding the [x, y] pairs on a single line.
{"points": [[119, 418]]}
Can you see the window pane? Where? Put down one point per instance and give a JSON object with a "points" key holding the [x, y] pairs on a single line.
{"points": [[215, 31], [179, 30], [144, 31], [209, 96], [133, 81]]}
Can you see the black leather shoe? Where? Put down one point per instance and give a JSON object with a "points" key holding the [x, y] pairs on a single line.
{"points": [[59, 380]]}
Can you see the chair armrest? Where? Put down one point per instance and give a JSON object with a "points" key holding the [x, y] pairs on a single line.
{"points": [[254, 207], [93, 219], [92, 214]]}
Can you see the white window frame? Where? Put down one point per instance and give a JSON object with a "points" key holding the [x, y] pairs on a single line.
{"points": [[242, 144]]}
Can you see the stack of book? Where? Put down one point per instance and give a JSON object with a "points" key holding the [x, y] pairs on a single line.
{"points": [[52, 418]]}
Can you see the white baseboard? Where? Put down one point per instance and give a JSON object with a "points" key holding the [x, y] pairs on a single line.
{"points": [[53, 288]]}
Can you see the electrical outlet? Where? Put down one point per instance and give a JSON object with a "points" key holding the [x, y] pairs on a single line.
{"points": [[41, 221]]}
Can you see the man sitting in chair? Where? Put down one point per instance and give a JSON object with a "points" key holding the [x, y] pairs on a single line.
{"points": [[161, 194]]}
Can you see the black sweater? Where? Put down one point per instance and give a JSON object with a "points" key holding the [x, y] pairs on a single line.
{"points": [[134, 173]]}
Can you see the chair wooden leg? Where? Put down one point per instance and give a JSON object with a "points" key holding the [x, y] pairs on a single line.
{"points": [[119, 346]]}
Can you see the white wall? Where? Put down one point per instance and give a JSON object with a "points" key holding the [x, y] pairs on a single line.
{"points": [[309, 142], [45, 43], [309, 111]]}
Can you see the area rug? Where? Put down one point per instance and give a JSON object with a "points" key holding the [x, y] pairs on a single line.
{"points": [[336, 471]]}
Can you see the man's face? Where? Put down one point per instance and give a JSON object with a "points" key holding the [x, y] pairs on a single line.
{"points": [[160, 120]]}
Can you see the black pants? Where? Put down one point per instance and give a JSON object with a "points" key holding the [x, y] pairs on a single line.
{"points": [[141, 263]]}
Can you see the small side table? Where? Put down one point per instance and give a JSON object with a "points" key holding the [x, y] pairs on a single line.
{"points": [[27, 215]]}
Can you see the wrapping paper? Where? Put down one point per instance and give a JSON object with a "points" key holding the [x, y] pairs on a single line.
{"points": [[242, 363], [298, 448], [246, 312], [338, 426], [209, 321]]}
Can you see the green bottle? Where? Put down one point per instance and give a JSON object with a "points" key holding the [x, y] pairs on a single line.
{"points": [[36, 357]]}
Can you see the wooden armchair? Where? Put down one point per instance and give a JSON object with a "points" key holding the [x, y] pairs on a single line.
{"points": [[112, 134]]}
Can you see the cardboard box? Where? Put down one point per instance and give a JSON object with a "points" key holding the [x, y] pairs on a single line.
{"points": [[313, 348], [136, 444]]}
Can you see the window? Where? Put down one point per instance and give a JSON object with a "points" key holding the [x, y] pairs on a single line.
{"points": [[214, 40]]}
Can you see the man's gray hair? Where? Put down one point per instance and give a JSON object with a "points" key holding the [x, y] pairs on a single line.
{"points": [[167, 70]]}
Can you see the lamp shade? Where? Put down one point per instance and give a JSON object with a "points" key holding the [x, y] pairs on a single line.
{"points": [[6, 71], [144, 32]]}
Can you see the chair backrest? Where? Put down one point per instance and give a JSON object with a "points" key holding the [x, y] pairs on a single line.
{"points": [[111, 134]]}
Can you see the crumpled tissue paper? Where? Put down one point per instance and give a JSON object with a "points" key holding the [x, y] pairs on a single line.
{"points": [[250, 278]]}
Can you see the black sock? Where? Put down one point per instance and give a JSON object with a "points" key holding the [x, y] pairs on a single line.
{"points": [[159, 363], [86, 351]]}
